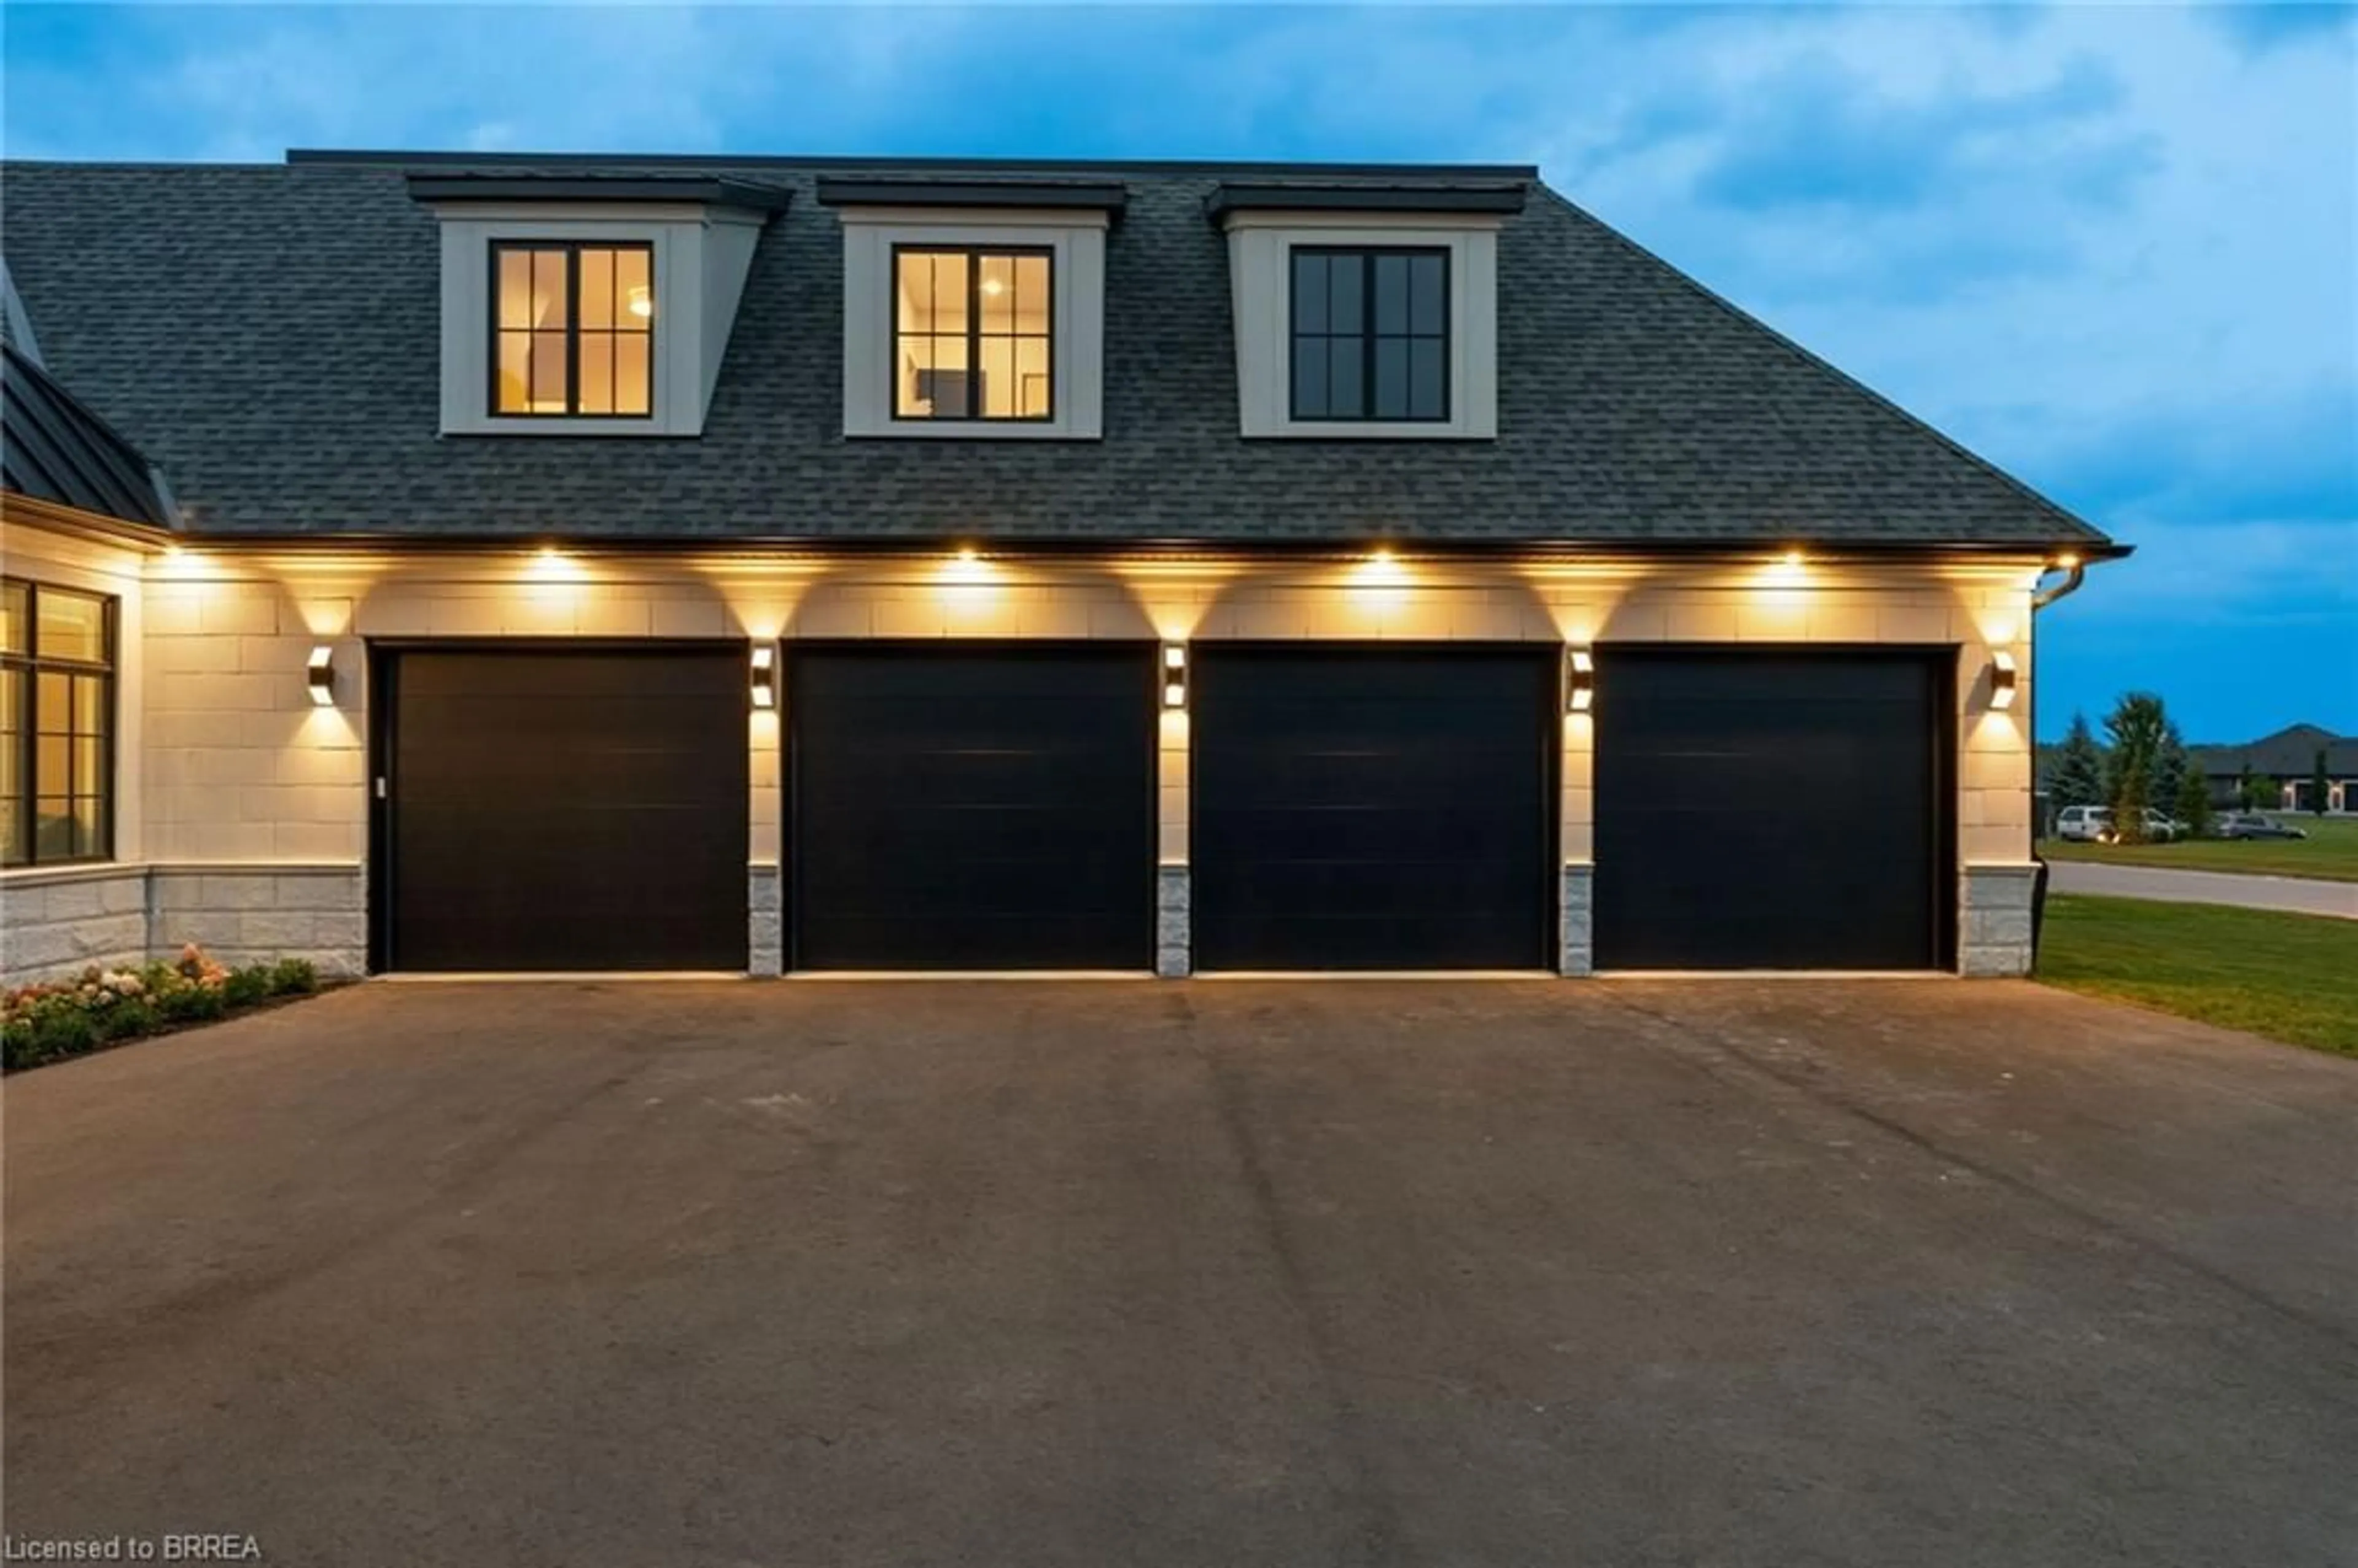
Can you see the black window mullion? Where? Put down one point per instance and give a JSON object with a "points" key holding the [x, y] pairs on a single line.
{"points": [[573, 329], [1367, 335], [974, 334]]}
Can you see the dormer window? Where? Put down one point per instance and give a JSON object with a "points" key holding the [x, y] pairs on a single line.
{"points": [[974, 333], [574, 330], [1370, 333], [973, 309], [588, 304], [1366, 311]]}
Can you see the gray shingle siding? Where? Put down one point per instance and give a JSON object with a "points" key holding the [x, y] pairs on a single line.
{"points": [[269, 335]]}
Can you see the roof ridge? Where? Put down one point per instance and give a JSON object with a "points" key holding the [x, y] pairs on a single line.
{"points": [[822, 163], [1806, 356]]}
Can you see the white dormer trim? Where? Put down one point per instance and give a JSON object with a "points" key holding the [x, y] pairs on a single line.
{"points": [[701, 257], [1260, 245], [1076, 236]]}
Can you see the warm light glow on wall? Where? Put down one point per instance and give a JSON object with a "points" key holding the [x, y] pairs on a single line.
{"points": [[550, 564], [1788, 570], [967, 568], [1382, 569], [1380, 582]]}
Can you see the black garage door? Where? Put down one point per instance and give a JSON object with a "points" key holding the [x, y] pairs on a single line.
{"points": [[563, 810], [987, 806], [1364, 808], [1773, 810]]}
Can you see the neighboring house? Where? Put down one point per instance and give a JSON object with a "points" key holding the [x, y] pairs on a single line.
{"points": [[2289, 760], [750, 565]]}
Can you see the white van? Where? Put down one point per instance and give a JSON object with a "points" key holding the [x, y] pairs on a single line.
{"points": [[2085, 824]]}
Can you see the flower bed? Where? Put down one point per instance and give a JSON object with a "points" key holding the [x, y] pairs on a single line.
{"points": [[99, 1007]]}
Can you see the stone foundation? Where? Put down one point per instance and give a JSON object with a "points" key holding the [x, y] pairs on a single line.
{"points": [[53, 924], [766, 932], [1575, 951], [1174, 958], [1993, 921]]}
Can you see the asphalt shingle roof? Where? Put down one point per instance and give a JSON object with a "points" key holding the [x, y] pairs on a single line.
{"points": [[54, 449], [2290, 752], [269, 335]]}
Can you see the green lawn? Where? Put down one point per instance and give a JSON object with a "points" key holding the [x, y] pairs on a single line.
{"points": [[2330, 852], [2290, 977]]}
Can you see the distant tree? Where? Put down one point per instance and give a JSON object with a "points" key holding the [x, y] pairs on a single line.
{"points": [[2267, 795], [2170, 768], [2138, 726], [2193, 802], [2078, 776], [2317, 783], [2247, 788]]}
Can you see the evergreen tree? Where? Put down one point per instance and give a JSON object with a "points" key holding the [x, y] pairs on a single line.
{"points": [[2247, 788], [2194, 804], [2078, 776], [2138, 725], [2170, 769], [2318, 784]]}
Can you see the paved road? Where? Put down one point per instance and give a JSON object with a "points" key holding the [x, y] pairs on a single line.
{"points": [[2298, 895], [1064, 1276]]}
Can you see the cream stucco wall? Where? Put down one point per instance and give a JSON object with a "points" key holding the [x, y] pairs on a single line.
{"points": [[243, 776]]}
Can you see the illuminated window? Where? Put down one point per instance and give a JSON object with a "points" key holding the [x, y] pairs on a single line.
{"points": [[57, 724], [971, 336], [573, 330], [1370, 330]]}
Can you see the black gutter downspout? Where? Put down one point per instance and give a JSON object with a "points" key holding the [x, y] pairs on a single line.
{"points": [[2075, 573]]}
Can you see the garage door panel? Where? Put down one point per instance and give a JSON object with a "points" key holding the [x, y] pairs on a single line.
{"points": [[976, 806], [1771, 810], [565, 809], [1360, 807]]}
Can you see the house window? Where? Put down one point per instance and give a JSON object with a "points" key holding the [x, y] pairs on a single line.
{"points": [[973, 335], [573, 330], [57, 724], [1370, 333]]}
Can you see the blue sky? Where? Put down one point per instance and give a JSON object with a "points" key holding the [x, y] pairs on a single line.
{"points": [[2115, 249]]}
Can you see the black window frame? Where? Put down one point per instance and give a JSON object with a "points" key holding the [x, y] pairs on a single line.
{"points": [[1367, 335], [974, 256], [34, 664], [572, 249]]}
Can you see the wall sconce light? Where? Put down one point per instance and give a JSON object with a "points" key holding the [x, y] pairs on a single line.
{"points": [[1579, 680], [764, 675], [1174, 675], [2002, 679], [320, 675]]}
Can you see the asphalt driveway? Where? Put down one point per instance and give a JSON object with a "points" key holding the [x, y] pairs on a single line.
{"points": [[1216, 1274]]}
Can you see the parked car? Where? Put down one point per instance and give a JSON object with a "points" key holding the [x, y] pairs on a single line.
{"points": [[2093, 824], [2252, 825], [2085, 824]]}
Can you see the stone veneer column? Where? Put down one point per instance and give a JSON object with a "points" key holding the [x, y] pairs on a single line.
{"points": [[1993, 921], [1575, 956], [1173, 959], [765, 945]]}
